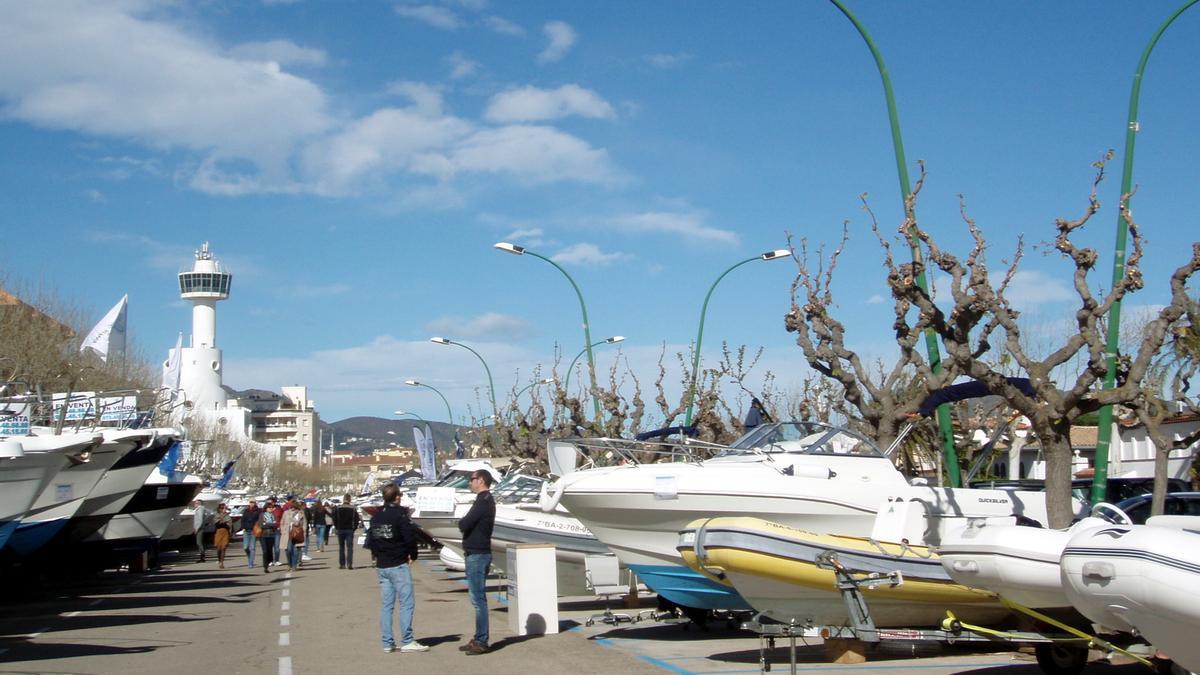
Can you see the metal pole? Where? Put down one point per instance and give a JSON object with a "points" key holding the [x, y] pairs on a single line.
{"points": [[587, 333], [953, 475], [491, 386], [1112, 344], [567, 379], [687, 419]]}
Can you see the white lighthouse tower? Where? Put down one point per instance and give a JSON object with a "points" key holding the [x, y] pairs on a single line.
{"points": [[200, 375]]}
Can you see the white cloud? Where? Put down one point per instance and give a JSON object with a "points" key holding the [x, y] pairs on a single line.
{"points": [[503, 26], [534, 154], [531, 104], [426, 98], [1031, 288], [488, 326], [587, 254], [876, 299], [438, 17], [667, 61], [95, 196], [282, 52], [561, 36], [101, 69], [531, 236], [461, 66], [685, 225]]}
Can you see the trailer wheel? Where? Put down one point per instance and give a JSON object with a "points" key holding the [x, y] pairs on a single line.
{"points": [[1055, 659]]}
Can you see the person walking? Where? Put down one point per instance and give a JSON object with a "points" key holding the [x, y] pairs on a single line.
{"points": [[250, 516], [320, 523], [222, 526], [295, 527], [476, 528], [346, 520], [276, 533], [199, 522], [268, 522], [393, 540]]}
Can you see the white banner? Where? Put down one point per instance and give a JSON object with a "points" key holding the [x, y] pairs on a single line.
{"points": [[426, 451], [109, 334], [83, 404], [14, 419]]}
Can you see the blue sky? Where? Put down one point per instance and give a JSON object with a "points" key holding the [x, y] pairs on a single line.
{"points": [[353, 163]]}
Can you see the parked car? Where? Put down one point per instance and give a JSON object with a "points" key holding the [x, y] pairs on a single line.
{"points": [[1081, 488], [1177, 504]]}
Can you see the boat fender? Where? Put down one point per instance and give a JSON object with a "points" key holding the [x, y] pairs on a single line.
{"points": [[702, 555], [547, 500]]}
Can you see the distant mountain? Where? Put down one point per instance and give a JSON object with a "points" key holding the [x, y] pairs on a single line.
{"points": [[370, 433]]}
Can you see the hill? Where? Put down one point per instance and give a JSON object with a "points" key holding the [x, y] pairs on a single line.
{"points": [[363, 434]]}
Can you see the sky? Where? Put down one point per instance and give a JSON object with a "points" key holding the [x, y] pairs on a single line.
{"points": [[353, 163]]}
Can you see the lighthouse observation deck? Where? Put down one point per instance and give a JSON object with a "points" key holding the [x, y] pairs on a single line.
{"points": [[205, 280]]}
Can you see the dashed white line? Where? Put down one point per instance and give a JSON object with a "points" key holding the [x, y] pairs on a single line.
{"points": [[285, 620], [286, 592], [285, 665], [94, 602], [287, 582], [285, 639], [36, 634], [285, 606], [70, 614]]}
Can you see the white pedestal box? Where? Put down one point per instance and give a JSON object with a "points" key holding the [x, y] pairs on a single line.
{"points": [[532, 589]]}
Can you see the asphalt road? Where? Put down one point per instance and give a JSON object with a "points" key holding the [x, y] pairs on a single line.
{"points": [[190, 617]]}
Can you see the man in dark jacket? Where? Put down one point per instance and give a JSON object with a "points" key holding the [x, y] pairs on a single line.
{"points": [[476, 528], [393, 540], [346, 521], [249, 519]]}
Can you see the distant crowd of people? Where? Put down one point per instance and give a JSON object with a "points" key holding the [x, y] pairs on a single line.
{"points": [[391, 538]]}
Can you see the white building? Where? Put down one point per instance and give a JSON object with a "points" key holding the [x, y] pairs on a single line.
{"points": [[284, 427]]}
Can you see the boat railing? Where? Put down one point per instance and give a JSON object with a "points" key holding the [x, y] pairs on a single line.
{"points": [[603, 451]]}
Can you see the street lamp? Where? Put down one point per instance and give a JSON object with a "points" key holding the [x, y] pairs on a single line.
{"points": [[931, 346], [1112, 343], [769, 255], [491, 386], [405, 412], [587, 333], [415, 383], [522, 390], [611, 341]]}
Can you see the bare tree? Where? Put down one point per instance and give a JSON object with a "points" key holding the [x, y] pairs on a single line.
{"points": [[980, 313]]}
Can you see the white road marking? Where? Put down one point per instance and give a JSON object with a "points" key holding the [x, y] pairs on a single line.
{"points": [[94, 602], [286, 592], [32, 636], [69, 614], [285, 639], [285, 620], [285, 665], [285, 606], [287, 583]]}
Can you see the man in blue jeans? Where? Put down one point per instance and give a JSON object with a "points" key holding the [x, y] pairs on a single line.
{"points": [[393, 540], [346, 522], [476, 528]]}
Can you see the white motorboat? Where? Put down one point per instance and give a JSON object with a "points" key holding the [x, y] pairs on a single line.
{"points": [[452, 559], [141, 450], [23, 476], [1140, 577], [807, 475], [66, 491], [150, 512]]}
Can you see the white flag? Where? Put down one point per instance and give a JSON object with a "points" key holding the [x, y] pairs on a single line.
{"points": [[173, 366], [109, 334], [426, 451]]}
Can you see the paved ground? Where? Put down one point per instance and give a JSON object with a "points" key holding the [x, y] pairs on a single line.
{"points": [[190, 617]]}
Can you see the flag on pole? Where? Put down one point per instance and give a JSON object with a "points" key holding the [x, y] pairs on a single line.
{"points": [[173, 367], [108, 335], [426, 451]]}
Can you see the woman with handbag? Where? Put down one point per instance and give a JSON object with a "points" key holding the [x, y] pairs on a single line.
{"points": [[294, 527], [268, 524], [222, 526], [250, 530]]}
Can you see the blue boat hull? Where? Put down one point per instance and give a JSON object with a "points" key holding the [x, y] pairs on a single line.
{"points": [[684, 587], [29, 537], [6, 530]]}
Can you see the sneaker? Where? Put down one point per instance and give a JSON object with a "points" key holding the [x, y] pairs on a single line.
{"points": [[463, 648], [414, 646], [475, 649], [306, 558], [388, 649]]}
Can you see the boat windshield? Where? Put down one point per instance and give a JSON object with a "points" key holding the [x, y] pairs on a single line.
{"points": [[518, 488], [810, 438]]}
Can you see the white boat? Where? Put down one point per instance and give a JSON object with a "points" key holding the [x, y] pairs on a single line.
{"points": [[149, 513], [66, 491], [1141, 577], [23, 476], [452, 559], [806, 475]]}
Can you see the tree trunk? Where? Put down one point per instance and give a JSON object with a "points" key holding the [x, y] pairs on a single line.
{"points": [[1059, 471]]}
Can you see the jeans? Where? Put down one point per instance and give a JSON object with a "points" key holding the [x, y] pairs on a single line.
{"points": [[275, 539], [268, 547], [200, 541], [248, 543], [395, 583], [345, 548], [294, 551], [321, 537], [477, 569]]}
